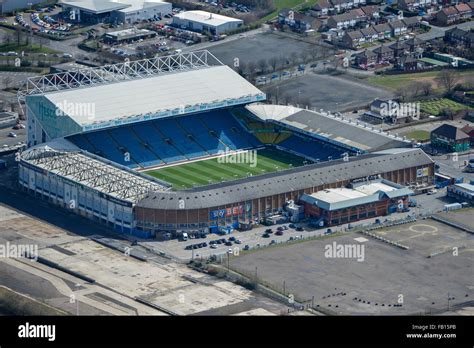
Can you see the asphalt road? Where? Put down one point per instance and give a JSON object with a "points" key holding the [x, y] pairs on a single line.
{"points": [[436, 32]]}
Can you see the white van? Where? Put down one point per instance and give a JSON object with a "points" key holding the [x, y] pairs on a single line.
{"points": [[184, 237]]}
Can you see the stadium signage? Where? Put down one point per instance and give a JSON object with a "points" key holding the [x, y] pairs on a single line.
{"points": [[223, 213]]}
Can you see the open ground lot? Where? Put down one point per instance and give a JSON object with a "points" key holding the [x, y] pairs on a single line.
{"points": [[395, 82], [251, 49], [171, 287], [219, 170], [332, 93], [374, 285]]}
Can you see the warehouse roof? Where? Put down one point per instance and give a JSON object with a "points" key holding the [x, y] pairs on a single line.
{"points": [[160, 93], [290, 180], [104, 6], [347, 197], [207, 18]]}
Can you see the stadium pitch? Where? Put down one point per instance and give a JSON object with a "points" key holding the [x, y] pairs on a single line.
{"points": [[217, 170]]}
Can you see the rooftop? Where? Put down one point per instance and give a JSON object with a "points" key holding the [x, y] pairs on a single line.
{"points": [[357, 194], [103, 6], [209, 18]]}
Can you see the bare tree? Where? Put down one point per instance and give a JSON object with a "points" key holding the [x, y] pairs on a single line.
{"points": [[426, 88], [273, 63], [262, 65], [448, 78]]}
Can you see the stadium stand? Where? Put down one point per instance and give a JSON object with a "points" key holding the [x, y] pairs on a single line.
{"points": [[168, 140], [312, 148]]}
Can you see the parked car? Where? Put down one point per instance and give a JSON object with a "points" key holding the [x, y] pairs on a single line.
{"points": [[279, 233], [247, 247], [232, 239], [238, 241], [292, 226], [228, 243], [299, 228], [213, 246], [266, 235], [268, 230], [12, 135]]}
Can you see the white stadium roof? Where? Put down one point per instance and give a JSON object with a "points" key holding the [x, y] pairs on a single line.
{"points": [[208, 18], [168, 91]]}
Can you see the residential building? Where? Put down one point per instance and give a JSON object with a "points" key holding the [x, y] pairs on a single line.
{"points": [[353, 39], [449, 138], [384, 53], [398, 28], [370, 34], [447, 16], [400, 48], [383, 30], [365, 58]]}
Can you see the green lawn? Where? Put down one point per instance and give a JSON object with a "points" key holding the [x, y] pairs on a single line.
{"points": [[32, 48], [281, 4], [436, 106], [395, 82], [419, 135], [211, 171]]}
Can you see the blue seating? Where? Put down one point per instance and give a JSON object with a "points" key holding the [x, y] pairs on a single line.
{"points": [[312, 148], [174, 139]]}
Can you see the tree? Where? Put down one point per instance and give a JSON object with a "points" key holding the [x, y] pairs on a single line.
{"points": [[262, 65], [426, 88], [448, 78], [273, 63]]}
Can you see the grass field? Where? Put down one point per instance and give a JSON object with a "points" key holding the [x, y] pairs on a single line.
{"points": [[212, 171], [394, 82], [420, 135], [436, 106]]}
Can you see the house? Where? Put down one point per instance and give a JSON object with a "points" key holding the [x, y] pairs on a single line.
{"points": [[365, 57], [399, 48], [384, 53], [372, 12], [408, 5], [344, 20], [398, 28], [370, 34], [464, 10], [469, 130], [342, 5], [416, 46], [447, 16], [407, 63], [353, 39], [386, 111], [297, 21], [383, 30], [323, 8], [459, 37], [414, 5], [411, 22], [449, 138]]}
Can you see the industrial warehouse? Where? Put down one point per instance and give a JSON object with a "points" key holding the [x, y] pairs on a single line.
{"points": [[126, 162]]}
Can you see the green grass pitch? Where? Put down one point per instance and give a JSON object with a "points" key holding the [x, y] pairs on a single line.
{"points": [[210, 171]]}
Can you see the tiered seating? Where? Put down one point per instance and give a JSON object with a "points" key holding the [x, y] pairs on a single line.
{"points": [[311, 148], [201, 134], [179, 138], [106, 147], [136, 148], [168, 153]]}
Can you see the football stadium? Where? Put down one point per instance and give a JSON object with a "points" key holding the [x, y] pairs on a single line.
{"points": [[184, 143]]}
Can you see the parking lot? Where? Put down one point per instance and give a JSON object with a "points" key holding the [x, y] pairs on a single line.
{"points": [[345, 285], [253, 48], [332, 93]]}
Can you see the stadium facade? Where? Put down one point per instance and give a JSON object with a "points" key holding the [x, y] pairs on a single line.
{"points": [[92, 141]]}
